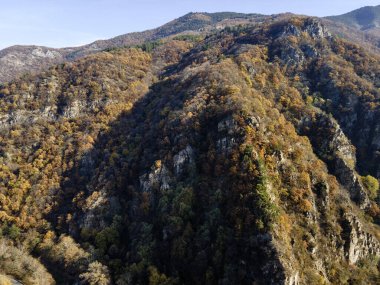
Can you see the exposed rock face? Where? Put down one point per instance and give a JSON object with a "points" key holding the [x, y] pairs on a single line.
{"points": [[359, 244], [311, 26], [79, 107], [331, 144], [41, 53], [159, 178], [228, 125], [50, 113], [97, 203], [359, 122], [253, 122], [291, 30], [29, 117], [298, 55], [225, 145], [316, 30], [349, 179], [310, 51], [183, 159], [323, 191], [292, 55], [74, 109], [273, 269], [18, 60], [293, 280]]}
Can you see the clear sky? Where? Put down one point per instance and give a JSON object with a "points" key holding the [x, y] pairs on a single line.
{"points": [[61, 23]]}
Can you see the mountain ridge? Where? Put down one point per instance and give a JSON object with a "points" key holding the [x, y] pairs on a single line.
{"points": [[18, 60], [12, 57]]}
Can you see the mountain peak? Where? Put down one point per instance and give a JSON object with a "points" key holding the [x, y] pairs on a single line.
{"points": [[365, 18]]}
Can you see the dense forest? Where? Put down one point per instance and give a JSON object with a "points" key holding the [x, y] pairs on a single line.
{"points": [[249, 155]]}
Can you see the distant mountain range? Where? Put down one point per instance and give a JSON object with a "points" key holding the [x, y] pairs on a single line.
{"points": [[360, 26], [365, 19]]}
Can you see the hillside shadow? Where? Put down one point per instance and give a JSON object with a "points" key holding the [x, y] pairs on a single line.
{"points": [[128, 219]]}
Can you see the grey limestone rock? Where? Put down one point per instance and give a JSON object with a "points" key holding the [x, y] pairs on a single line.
{"points": [[158, 178], [359, 243], [183, 159]]}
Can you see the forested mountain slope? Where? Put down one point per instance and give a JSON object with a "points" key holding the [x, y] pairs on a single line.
{"points": [[249, 156]]}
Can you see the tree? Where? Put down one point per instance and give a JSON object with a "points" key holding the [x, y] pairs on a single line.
{"points": [[97, 274], [4, 280], [155, 277]]}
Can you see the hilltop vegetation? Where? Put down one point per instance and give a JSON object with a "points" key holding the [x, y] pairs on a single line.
{"points": [[248, 156]]}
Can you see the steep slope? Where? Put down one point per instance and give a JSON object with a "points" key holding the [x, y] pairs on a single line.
{"points": [[50, 126], [229, 160]]}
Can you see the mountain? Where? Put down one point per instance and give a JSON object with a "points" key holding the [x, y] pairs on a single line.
{"points": [[248, 156], [365, 19], [18, 60], [361, 26]]}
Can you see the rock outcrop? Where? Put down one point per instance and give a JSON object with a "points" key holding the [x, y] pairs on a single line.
{"points": [[359, 244], [331, 144], [183, 160], [158, 179]]}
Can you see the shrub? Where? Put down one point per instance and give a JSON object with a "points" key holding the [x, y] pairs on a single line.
{"points": [[13, 232], [372, 185], [155, 277]]}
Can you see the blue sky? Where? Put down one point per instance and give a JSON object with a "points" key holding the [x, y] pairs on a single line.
{"points": [[61, 23]]}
